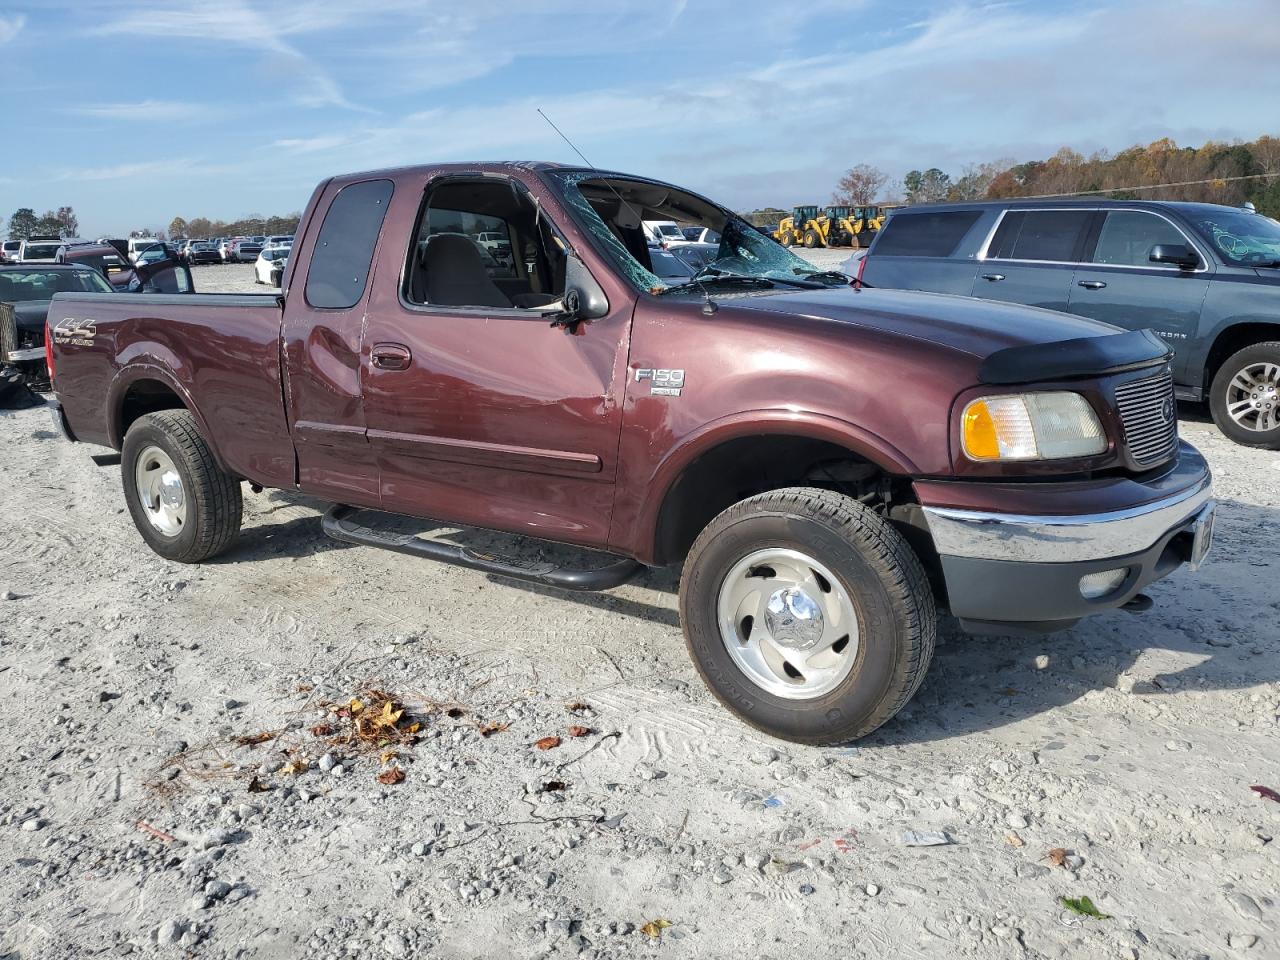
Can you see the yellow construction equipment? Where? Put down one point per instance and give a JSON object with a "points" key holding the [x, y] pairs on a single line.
{"points": [[866, 222], [834, 226]]}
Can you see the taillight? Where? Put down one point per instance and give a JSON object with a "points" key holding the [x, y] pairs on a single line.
{"points": [[862, 265], [48, 348]]}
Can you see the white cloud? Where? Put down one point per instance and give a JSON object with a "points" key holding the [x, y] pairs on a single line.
{"points": [[311, 144], [10, 27], [120, 171], [145, 110], [235, 22]]}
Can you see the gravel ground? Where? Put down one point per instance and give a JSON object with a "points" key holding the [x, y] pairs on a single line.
{"points": [[181, 771]]}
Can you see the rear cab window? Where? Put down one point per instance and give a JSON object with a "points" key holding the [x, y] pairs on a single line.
{"points": [[343, 253]]}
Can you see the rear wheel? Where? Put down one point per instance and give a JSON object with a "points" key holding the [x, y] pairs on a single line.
{"points": [[184, 504], [808, 615], [1245, 396]]}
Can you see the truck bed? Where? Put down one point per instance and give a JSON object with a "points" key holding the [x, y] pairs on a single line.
{"points": [[223, 349]]}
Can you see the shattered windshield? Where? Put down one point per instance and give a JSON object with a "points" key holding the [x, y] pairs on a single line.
{"points": [[613, 210], [1243, 238]]}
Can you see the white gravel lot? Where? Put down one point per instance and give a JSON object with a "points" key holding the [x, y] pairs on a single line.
{"points": [[133, 822]]}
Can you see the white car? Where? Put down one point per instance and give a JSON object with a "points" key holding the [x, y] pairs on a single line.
{"points": [[11, 251], [664, 233], [40, 250], [269, 267]]}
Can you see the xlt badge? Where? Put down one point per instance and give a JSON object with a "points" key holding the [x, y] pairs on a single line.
{"points": [[662, 383]]}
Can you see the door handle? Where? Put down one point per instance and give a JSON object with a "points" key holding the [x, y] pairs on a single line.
{"points": [[1093, 284], [993, 277], [391, 356]]}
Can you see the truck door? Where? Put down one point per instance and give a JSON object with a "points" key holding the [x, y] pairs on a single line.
{"points": [[1119, 284], [479, 412], [321, 335], [1031, 258]]}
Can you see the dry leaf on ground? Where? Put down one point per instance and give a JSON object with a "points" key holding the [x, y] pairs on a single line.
{"points": [[391, 776], [653, 929], [547, 743], [1057, 856], [577, 731]]}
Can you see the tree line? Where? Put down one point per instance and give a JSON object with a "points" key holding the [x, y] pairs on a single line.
{"points": [[1227, 173], [252, 225], [24, 223]]}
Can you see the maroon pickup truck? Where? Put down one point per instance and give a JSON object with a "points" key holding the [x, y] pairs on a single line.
{"points": [[830, 465]]}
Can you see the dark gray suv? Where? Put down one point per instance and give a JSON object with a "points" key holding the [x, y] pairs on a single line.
{"points": [[1206, 278]]}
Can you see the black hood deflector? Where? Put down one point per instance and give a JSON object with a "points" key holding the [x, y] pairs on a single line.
{"points": [[1083, 357]]}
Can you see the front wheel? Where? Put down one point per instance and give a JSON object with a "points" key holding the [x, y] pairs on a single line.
{"points": [[184, 504], [1245, 396], [810, 239], [808, 615]]}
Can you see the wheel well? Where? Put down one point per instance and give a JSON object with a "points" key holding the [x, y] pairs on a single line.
{"points": [[1236, 338], [746, 466], [146, 396]]}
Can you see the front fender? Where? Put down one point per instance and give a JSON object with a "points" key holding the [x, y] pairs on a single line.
{"points": [[755, 423]]}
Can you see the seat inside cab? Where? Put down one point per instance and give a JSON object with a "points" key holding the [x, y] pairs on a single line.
{"points": [[484, 243]]}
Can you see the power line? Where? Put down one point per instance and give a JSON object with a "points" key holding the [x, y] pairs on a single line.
{"points": [[1149, 186]]}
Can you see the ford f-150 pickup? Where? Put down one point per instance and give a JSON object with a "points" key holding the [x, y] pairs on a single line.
{"points": [[831, 465]]}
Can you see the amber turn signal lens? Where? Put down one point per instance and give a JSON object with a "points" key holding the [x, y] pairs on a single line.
{"points": [[980, 441]]}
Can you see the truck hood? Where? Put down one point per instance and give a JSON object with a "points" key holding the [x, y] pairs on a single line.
{"points": [[976, 327], [1012, 343]]}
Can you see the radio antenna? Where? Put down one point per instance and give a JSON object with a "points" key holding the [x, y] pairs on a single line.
{"points": [[709, 306]]}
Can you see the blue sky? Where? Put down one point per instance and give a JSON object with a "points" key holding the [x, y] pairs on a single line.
{"points": [[136, 112]]}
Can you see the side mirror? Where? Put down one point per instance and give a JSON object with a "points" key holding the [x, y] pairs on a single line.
{"points": [[583, 300], [1179, 254]]}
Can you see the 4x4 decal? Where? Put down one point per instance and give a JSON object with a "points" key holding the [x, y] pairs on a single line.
{"points": [[80, 333]]}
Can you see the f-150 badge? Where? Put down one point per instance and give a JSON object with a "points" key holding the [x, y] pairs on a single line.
{"points": [[662, 383]]}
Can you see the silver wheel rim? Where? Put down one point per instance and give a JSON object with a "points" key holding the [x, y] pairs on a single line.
{"points": [[1253, 397], [788, 623], [160, 490]]}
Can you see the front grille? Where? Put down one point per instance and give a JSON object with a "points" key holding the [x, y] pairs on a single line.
{"points": [[1150, 418]]}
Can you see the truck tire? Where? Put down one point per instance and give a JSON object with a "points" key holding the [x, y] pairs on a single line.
{"points": [[810, 239], [1245, 396], [184, 504], [808, 615]]}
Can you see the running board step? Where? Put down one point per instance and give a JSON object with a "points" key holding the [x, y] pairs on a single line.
{"points": [[338, 525]]}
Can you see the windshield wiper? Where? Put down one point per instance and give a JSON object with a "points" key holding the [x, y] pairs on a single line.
{"points": [[702, 278]]}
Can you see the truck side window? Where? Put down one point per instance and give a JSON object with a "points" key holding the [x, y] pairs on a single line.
{"points": [[483, 243], [1128, 235], [1051, 236], [344, 247], [925, 234]]}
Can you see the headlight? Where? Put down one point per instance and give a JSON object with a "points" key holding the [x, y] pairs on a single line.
{"points": [[1031, 426]]}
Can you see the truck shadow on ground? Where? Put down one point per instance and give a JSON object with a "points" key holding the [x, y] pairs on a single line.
{"points": [[1210, 630], [1216, 625]]}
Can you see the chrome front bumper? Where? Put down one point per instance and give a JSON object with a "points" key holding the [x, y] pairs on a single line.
{"points": [[1010, 570], [1064, 539]]}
